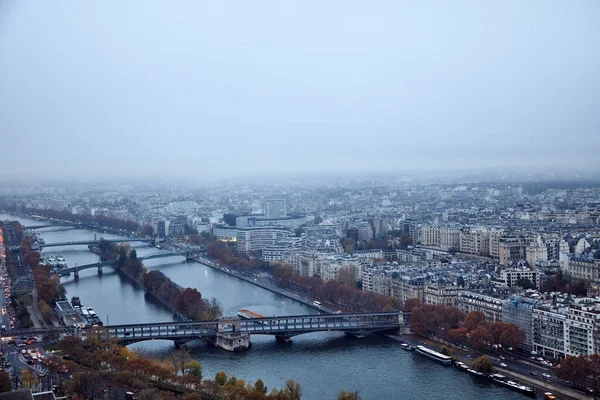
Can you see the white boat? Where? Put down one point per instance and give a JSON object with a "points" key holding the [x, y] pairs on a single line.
{"points": [[52, 261], [61, 262], [434, 355]]}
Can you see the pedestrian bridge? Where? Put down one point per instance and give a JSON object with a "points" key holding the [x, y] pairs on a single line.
{"points": [[284, 327]]}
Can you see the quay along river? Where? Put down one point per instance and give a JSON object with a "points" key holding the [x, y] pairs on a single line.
{"points": [[323, 363]]}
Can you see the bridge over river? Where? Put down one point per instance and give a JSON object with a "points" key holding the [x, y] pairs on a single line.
{"points": [[232, 333], [188, 254]]}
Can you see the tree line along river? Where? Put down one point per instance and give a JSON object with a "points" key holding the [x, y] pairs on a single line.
{"points": [[323, 363]]}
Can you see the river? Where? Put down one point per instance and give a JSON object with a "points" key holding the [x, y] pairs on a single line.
{"points": [[323, 363]]}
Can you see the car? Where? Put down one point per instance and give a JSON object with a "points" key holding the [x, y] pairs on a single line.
{"points": [[503, 365], [127, 333], [30, 362], [502, 358], [547, 376], [533, 373]]}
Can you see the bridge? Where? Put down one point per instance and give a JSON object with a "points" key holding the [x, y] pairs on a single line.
{"points": [[90, 242], [112, 263], [230, 333], [57, 224]]}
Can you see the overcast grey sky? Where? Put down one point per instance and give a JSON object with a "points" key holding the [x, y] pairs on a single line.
{"points": [[261, 87]]}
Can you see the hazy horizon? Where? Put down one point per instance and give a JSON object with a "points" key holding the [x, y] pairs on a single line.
{"points": [[209, 90]]}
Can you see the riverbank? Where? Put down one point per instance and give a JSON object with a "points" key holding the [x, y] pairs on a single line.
{"points": [[267, 286], [467, 357]]}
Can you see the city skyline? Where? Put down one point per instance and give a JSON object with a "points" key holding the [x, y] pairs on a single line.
{"points": [[210, 91]]}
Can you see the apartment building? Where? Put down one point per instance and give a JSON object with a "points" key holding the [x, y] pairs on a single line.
{"points": [[257, 238], [404, 289], [511, 276], [490, 306], [518, 310], [582, 324], [377, 280], [436, 293], [549, 330], [536, 251], [475, 240], [511, 249], [444, 237], [584, 268]]}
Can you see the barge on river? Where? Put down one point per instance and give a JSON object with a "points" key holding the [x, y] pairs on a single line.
{"points": [[434, 355]]}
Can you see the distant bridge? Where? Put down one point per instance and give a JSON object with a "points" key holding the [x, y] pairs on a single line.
{"points": [[112, 263], [285, 327], [90, 242], [87, 242], [58, 224]]}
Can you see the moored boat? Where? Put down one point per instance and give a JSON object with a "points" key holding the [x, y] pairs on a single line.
{"points": [[247, 314], [434, 355], [504, 381], [407, 347]]}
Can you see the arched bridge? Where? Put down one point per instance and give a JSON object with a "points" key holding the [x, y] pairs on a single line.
{"points": [[112, 263], [282, 327], [89, 242]]}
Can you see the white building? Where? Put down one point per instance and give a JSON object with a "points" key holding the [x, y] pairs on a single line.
{"points": [[257, 238], [511, 276], [581, 326], [490, 306], [549, 330], [441, 294]]}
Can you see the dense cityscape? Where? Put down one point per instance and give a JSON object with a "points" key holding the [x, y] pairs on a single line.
{"points": [[204, 200], [509, 271]]}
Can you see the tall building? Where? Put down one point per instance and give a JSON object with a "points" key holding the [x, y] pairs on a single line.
{"points": [[519, 310], [276, 208], [549, 330], [582, 326], [512, 249], [536, 251]]}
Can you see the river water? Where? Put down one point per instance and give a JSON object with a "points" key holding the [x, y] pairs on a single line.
{"points": [[324, 363]]}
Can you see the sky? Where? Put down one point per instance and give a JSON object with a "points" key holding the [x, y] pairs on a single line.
{"points": [[203, 90]]}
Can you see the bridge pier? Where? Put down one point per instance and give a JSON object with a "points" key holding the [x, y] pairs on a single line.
{"points": [[283, 339], [179, 344], [99, 269], [76, 275]]}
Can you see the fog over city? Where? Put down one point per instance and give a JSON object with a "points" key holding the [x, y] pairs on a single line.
{"points": [[220, 89]]}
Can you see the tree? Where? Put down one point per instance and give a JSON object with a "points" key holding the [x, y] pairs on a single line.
{"points": [[221, 378], [260, 387], [409, 304], [512, 336], [133, 254], [147, 230], [28, 378], [473, 320], [293, 389], [46, 311], [5, 382], [483, 364], [525, 283], [194, 368], [346, 276], [480, 338], [179, 359], [343, 395]]}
